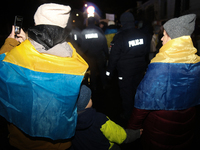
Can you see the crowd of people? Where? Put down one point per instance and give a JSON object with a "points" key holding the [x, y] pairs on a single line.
{"points": [[44, 98]]}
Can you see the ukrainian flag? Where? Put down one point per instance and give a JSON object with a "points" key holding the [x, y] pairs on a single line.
{"points": [[172, 81], [38, 92]]}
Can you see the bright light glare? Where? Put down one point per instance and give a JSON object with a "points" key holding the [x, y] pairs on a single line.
{"points": [[90, 10]]}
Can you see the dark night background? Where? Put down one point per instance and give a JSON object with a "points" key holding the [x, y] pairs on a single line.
{"points": [[27, 8]]}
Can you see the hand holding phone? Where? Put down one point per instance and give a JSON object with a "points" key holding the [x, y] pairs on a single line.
{"points": [[20, 37], [18, 24]]}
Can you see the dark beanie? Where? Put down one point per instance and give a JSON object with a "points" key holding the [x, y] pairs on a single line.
{"points": [[181, 26], [84, 97], [126, 17]]}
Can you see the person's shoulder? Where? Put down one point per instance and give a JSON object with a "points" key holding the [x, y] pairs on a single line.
{"points": [[101, 117]]}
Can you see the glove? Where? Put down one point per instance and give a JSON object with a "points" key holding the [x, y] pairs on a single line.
{"points": [[132, 135]]}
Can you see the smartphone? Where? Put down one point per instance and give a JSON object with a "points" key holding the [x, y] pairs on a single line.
{"points": [[18, 24]]}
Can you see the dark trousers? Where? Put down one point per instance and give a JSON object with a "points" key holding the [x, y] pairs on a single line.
{"points": [[97, 68], [128, 86]]}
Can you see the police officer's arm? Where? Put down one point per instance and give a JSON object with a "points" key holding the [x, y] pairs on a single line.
{"points": [[84, 44], [115, 54], [105, 47]]}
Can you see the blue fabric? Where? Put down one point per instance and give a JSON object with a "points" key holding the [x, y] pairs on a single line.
{"points": [[110, 31], [169, 86], [39, 103], [2, 56]]}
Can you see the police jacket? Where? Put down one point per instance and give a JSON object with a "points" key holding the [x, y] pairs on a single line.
{"points": [[129, 48], [94, 43]]}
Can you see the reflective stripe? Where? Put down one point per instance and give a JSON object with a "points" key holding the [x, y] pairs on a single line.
{"points": [[120, 78], [91, 36], [75, 37], [107, 73]]}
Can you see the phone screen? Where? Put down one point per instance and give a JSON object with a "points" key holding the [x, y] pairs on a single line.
{"points": [[18, 24]]}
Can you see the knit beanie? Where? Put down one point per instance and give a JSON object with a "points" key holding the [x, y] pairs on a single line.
{"points": [[126, 17], [52, 14], [181, 26], [84, 97]]}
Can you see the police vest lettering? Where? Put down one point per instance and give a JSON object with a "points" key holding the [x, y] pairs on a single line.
{"points": [[91, 36], [75, 37], [136, 42]]}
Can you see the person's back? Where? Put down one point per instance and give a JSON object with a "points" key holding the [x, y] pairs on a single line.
{"points": [[88, 134], [94, 46], [165, 98], [94, 41], [171, 129], [110, 32], [35, 98], [130, 47], [134, 50], [165, 129], [95, 131], [128, 56]]}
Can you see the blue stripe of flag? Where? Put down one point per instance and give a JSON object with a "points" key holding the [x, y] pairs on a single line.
{"points": [[40, 104], [169, 86]]}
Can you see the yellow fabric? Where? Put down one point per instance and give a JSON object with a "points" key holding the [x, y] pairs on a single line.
{"points": [[25, 55], [178, 50], [109, 38], [23, 142], [113, 132]]}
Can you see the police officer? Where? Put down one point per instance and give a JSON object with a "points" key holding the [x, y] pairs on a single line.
{"points": [[94, 45], [129, 49]]}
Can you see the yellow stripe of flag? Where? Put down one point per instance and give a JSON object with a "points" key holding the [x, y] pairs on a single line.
{"points": [[28, 57], [179, 50]]}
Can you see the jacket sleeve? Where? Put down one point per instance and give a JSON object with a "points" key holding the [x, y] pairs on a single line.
{"points": [[115, 54], [113, 132], [137, 118], [116, 134], [132, 135], [9, 44], [105, 47]]}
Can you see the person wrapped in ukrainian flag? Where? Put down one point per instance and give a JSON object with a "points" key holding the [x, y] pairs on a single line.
{"points": [[40, 79], [166, 97]]}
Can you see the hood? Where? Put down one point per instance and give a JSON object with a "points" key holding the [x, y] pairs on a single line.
{"points": [[91, 21], [128, 25], [61, 50], [85, 118], [48, 35]]}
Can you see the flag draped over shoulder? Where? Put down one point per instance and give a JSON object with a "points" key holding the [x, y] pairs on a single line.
{"points": [[172, 81], [38, 92]]}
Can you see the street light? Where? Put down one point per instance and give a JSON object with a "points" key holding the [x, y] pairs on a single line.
{"points": [[90, 11]]}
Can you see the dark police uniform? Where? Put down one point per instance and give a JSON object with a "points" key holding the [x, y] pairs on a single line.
{"points": [[94, 45], [129, 49]]}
